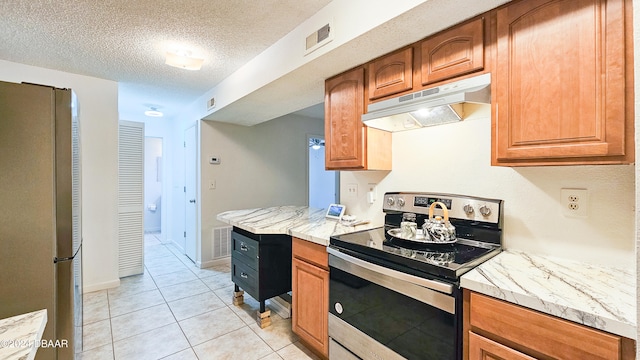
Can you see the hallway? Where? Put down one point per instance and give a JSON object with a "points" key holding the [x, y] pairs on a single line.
{"points": [[176, 311]]}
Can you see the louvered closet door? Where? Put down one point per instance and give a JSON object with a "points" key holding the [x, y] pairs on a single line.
{"points": [[131, 198]]}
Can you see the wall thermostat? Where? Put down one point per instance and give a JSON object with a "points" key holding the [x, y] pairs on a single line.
{"points": [[214, 160]]}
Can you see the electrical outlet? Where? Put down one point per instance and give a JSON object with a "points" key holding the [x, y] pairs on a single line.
{"points": [[574, 202], [352, 191]]}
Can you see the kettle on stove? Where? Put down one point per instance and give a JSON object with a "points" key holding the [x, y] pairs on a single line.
{"points": [[438, 229]]}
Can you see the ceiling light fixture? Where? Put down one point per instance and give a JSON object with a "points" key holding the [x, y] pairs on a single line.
{"points": [[316, 144], [183, 59], [153, 112]]}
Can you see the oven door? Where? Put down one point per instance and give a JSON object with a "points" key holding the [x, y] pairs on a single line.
{"points": [[380, 313]]}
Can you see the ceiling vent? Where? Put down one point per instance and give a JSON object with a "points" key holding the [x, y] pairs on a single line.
{"points": [[319, 38], [211, 103]]}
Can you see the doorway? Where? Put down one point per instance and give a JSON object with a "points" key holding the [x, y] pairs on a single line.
{"points": [[190, 168], [153, 186], [323, 185]]}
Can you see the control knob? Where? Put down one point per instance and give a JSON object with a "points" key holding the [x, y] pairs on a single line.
{"points": [[468, 209], [485, 210], [400, 202], [390, 201]]}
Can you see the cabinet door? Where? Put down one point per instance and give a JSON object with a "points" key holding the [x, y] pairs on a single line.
{"points": [[481, 348], [539, 333], [560, 83], [391, 74], [310, 305], [454, 52], [344, 130]]}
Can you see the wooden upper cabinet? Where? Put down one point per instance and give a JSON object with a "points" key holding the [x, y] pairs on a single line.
{"points": [[343, 108], [454, 52], [563, 80], [391, 74], [349, 144]]}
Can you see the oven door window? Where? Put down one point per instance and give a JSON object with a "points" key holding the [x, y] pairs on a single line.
{"points": [[405, 325]]}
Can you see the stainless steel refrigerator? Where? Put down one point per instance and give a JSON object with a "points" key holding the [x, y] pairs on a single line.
{"points": [[40, 212]]}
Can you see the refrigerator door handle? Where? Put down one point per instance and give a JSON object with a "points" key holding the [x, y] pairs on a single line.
{"points": [[57, 259]]}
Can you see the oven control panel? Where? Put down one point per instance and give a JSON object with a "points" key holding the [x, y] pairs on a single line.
{"points": [[458, 206]]}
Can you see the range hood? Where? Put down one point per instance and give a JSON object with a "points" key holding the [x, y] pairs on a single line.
{"points": [[434, 106]]}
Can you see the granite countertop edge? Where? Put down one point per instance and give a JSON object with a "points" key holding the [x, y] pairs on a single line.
{"points": [[20, 334], [597, 296], [302, 222]]}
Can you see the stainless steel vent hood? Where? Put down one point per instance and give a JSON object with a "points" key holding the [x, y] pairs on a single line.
{"points": [[434, 106]]}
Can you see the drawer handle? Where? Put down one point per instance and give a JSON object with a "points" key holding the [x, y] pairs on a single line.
{"points": [[243, 247], [244, 275]]}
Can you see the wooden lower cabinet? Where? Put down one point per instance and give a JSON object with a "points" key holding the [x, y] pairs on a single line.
{"points": [[310, 295], [495, 329], [485, 349]]}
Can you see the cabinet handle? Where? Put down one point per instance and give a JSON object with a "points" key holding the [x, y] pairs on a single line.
{"points": [[243, 247], [243, 275]]}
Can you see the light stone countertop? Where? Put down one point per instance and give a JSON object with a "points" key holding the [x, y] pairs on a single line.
{"points": [[299, 221], [20, 334], [600, 297], [597, 296]]}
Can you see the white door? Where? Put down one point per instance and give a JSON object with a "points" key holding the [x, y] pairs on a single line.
{"points": [[130, 198], [190, 168]]}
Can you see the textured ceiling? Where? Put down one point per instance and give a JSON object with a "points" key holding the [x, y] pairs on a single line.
{"points": [[125, 41], [304, 86]]}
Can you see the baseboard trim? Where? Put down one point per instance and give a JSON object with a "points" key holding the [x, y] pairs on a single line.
{"points": [[215, 262], [101, 286], [280, 307], [175, 244]]}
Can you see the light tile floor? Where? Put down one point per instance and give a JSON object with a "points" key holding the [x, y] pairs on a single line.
{"points": [[176, 311]]}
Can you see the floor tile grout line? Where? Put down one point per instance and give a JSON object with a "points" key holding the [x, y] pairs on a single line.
{"points": [[113, 347], [173, 313], [209, 291]]}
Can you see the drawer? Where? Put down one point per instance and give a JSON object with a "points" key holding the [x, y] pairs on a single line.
{"points": [[310, 252], [246, 249], [536, 333], [245, 277]]}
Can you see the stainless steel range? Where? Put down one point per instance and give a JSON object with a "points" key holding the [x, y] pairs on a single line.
{"points": [[395, 293]]}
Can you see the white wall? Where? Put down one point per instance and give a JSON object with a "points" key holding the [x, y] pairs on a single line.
{"points": [[456, 158], [286, 54], [98, 105], [262, 165]]}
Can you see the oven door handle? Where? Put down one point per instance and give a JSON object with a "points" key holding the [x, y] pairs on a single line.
{"points": [[429, 284]]}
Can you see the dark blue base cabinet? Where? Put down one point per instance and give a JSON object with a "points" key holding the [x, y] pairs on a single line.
{"points": [[261, 266]]}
